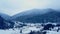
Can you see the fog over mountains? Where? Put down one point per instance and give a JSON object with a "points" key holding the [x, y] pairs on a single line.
{"points": [[35, 16], [38, 16], [24, 22], [5, 16]]}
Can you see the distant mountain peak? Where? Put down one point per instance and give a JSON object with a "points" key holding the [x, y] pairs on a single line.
{"points": [[5, 16], [38, 15]]}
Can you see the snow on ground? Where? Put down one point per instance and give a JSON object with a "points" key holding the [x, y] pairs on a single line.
{"points": [[10, 31], [25, 30], [53, 32], [28, 29]]}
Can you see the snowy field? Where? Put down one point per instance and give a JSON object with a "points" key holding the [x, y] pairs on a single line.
{"points": [[53, 32], [10, 31], [27, 29]]}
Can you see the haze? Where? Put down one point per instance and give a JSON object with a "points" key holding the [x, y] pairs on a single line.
{"points": [[12, 7]]}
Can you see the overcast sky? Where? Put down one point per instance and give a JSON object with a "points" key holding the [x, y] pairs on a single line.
{"points": [[12, 7]]}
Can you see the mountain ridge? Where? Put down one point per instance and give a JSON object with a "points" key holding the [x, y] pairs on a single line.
{"points": [[36, 16], [5, 16]]}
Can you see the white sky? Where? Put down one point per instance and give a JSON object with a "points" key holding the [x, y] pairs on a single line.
{"points": [[12, 7]]}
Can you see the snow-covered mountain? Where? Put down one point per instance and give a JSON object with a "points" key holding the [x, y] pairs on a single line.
{"points": [[38, 16], [37, 22], [5, 16], [5, 21], [31, 12]]}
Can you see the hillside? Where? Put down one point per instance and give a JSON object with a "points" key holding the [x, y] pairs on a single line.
{"points": [[5, 16], [38, 16]]}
